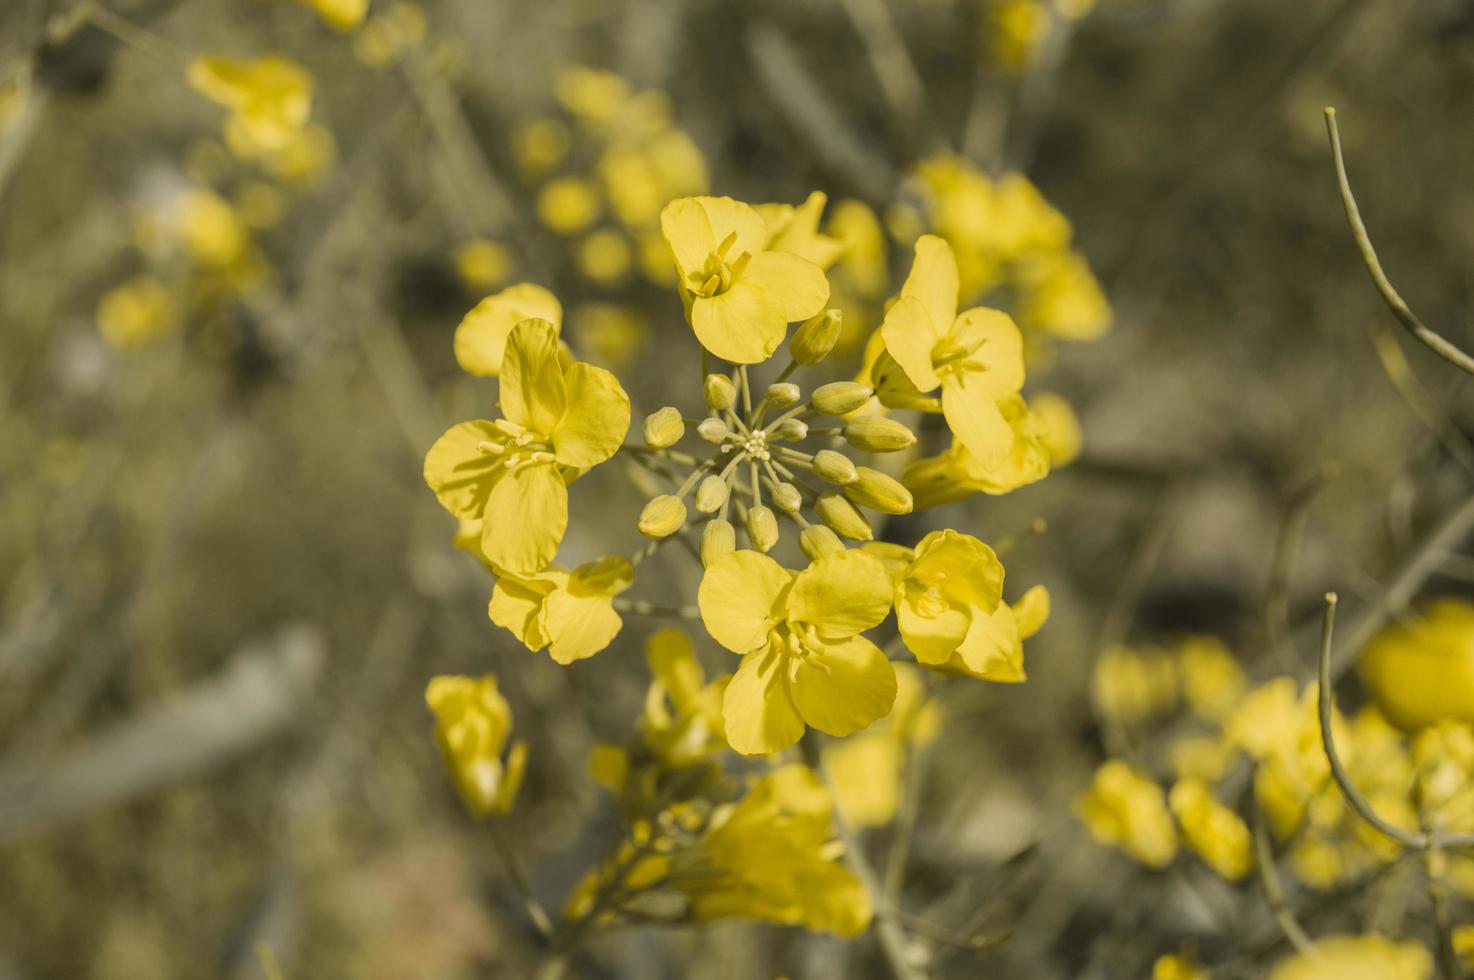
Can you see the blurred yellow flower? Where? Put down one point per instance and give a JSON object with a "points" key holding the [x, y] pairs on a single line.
{"points": [[682, 721], [570, 613], [136, 313], [472, 722], [796, 229], [1133, 686], [866, 769], [1126, 809], [483, 264], [269, 98], [1015, 30], [481, 337], [382, 41], [1215, 832], [1357, 958], [604, 256], [514, 473], [1059, 295], [569, 205], [613, 334], [540, 145], [592, 95], [1422, 672], [341, 15], [862, 265], [1177, 966], [803, 660], [209, 228], [1212, 680], [1060, 429]]}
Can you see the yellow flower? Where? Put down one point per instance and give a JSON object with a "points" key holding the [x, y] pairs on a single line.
{"points": [[1357, 958], [994, 647], [740, 297], [514, 473], [957, 474], [866, 769], [136, 313], [1060, 432], [641, 176], [269, 98], [952, 580], [570, 613], [540, 145], [1059, 295], [1126, 809], [1177, 966], [482, 263], [342, 15], [604, 256], [472, 722], [976, 357], [1016, 30], [613, 335], [592, 95], [481, 338], [569, 205], [796, 230], [771, 856], [209, 228], [1211, 829], [1133, 686], [803, 660], [1423, 672], [1212, 680], [863, 265], [682, 722]]}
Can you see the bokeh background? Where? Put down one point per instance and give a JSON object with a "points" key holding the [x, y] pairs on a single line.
{"points": [[223, 583]]}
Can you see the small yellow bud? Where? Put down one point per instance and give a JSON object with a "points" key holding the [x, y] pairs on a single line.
{"points": [[762, 528], [664, 428], [718, 539], [816, 540], [711, 494], [787, 497], [815, 337], [840, 397], [791, 430], [835, 467], [713, 430], [782, 395], [878, 434], [841, 515], [663, 516], [719, 391], [877, 491]]}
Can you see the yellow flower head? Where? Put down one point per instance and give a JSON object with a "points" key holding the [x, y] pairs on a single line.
{"points": [[1215, 832], [1126, 809], [514, 473], [740, 296], [682, 722], [1059, 296], [976, 357], [269, 98], [482, 263], [1357, 958], [570, 613], [1132, 686], [957, 474], [1212, 680], [341, 15], [953, 581], [863, 266], [136, 313], [1423, 673], [796, 230], [481, 338], [472, 722], [804, 661]]}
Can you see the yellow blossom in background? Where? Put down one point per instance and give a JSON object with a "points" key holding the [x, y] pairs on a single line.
{"points": [[1443, 758], [138, 312], [614, 335], [1422, 672], [341, 15], [1357, 958], [862, 265], [481, 337], [14, 92], [1126, 809], [540, 145], [570, 613], [682, 721], [482, 263], [569, 205], [472, 723], [640, 176], [1015, 30], [200, 222], [1060, 433], [803, 660], [740, 297], [303, 158], [1059, 296], [1205, 757], [604, 256], [796, 229], [1212, 680], [269, 98], [1216, 833], [592, 95], [1133, 686], [1177, 966], [866, 770], [385, 37], [514, 473]]}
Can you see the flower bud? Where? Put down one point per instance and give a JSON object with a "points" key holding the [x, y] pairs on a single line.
{"points": [[840, 397], [815, 337], [713, 430], [719, 391], [834, 467], [816, 540], [787, 497], [718, 538], [663, 516], [664, 428], [782, 395], [877, 491], [791, 430], [878, 434], [711, 494], [762, 528], [841, 515]]}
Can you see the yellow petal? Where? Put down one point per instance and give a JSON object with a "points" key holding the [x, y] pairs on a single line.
{"points": [[992, 649], [517, 606], [845, 687], [741, 222], [799, 283], [580, 625], [964, 569], [758, 710], [933, 280], [910, 335], [673, 663], [533, 392], [688, 232], [975, 418], [932, 635], [481, 338], [741, 599], [1031, 611], [842, 594], [997, 360], [460, 473], [525, 519], [596, 420], [744, 325]]}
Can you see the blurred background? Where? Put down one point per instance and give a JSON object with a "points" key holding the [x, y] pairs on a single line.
{"points": [[223, 583]]}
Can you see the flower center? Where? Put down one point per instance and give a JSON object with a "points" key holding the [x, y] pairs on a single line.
{"points": [[518, 447], [716, 274], [951, 355], [926, 596], [756, 445]]}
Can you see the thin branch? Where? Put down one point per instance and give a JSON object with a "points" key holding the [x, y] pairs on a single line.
{"points": [[1426, 335], [1274, 892]]}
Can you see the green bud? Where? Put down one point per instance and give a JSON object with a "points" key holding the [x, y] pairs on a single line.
{"points": [[841, 515], [787, 497], [815, 337], [790, 430], [711, 494], [664, 428], [713, 430], [782, 395], [878, 434], [840, 397], [663, 516], [762, 528], [877, 491], [720, 393], [718, 538], [816, 540], [834, 467]]}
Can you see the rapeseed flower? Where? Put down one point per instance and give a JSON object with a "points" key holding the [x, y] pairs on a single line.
{"points": [[472, 723], [1126, 809], [481, 337], [570, 613], [269, 98]]}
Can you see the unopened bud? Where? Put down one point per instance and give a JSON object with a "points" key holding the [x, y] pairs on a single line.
{"points": [[840, 397], [718, 538], [877, 491], [782, 395], [816, 540], [835, 467], [711, 494], [815, 337], [787, 497], [878, 434], [713, 430], [720, 393], [663, 516], [841, 515], [762, 528], [790, 430], [664, 428]]}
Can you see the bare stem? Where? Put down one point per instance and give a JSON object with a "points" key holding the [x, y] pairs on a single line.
{"points": [[1274, 893]]}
